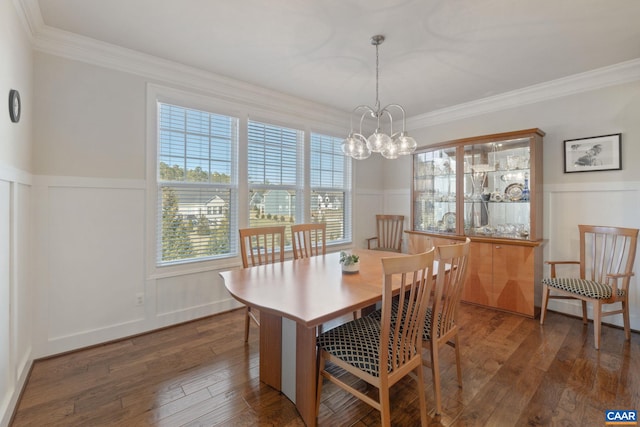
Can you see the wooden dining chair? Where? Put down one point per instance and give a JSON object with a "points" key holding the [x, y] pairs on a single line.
{"points": [[452, 274], [376, 350], [259, 246], [309, 240], [606, 262], [389, 230]]}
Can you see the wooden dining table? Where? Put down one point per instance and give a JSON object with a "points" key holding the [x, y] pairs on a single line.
{"points": [[293, 298]]}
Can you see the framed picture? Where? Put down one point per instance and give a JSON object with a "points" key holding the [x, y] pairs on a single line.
{"points": [[596, 153]]}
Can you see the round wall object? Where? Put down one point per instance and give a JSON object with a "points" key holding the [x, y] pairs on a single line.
{"points": [[15, 105]]}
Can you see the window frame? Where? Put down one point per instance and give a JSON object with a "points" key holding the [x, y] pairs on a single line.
{"points": [[210, 102], [347, 187]]}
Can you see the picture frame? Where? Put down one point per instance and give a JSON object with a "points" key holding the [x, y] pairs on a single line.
{"points": [[595, 153]]}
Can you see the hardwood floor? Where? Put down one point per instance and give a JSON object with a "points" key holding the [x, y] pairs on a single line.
{"points": [[515, 373]]}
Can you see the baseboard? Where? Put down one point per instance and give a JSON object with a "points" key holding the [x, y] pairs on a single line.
{"points": [[10, 409]]}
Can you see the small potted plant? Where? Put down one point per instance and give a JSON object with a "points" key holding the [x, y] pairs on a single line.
{"points": [[350, 262]]}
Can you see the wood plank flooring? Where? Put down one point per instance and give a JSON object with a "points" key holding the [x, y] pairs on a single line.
{"points": [[515, 373]]}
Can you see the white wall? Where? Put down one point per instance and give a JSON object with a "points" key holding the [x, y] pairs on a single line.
{"points": [[94, 208], [604, 198], [16, 290]]}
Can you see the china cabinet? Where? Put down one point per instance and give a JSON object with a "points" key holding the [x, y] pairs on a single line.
{"points": [[487, 188]]}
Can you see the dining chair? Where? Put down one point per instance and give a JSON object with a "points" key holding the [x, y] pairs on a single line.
{"points": [[450, 280], [309, 240], [389, 233], [606, 262], [377, 351], [259, 246]]}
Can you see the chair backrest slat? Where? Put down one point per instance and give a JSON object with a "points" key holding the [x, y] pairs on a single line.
{"points": [[452, 275], [308, 240], [607, 250], [262, 245], [414, 275], [390, 229]]}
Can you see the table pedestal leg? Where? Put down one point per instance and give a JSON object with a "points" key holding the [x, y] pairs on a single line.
{"points": [[306, 371], [271, 350]]}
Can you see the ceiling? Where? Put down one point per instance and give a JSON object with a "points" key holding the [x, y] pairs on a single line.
{"points": [[437, 53]]}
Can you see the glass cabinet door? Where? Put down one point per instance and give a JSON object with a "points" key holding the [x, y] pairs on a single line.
{"points": [[434, 198], [497, 189]]}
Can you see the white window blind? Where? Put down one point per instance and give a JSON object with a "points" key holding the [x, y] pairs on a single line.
{"points": [[197, 185], [275, 165], [330, 187]]}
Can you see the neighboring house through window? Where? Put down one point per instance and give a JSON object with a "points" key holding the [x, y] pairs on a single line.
{"points": [[330, 187], [275, 175], [196, 154]]}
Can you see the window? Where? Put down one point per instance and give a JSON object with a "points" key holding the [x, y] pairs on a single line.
{"points": [[196, 171], [214, 170], [330, 187], [274, 175]]}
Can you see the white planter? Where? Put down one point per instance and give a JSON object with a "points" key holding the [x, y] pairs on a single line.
{"points": [[351, 268]]}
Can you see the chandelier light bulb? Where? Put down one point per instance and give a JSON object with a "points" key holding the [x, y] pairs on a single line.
{"points": [[406, 144], [391, 150], [361, 151], [349, 145], [377, 141]]}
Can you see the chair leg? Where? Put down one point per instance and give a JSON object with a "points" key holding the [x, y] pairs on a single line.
{"points": [[545, 300], [385, 406], [320, 363], [435, 371], [456, 345], [597, 318], [625, 317], [247, 320], [421, 396], [585, 319]]}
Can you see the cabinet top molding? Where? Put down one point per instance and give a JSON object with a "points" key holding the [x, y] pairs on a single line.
{"points": [[495, 137]]}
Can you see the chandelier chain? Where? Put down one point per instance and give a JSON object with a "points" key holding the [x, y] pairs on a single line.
{"points": [[377, 79]]}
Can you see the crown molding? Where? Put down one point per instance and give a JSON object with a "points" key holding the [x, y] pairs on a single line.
{"points": [[624, 72], [28, 12], [75, 47], [72, 46]]}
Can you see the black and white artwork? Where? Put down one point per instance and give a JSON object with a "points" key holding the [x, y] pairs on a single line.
{"points": [[596, 153]]}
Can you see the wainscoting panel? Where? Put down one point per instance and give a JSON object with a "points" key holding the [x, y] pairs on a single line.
{"points": [[6, 368], [92, 285], [96, 258], [179, 296], [16, 287], [566, 206]]}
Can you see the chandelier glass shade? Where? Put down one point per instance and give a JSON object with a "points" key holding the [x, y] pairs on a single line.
{"points": [[389, 144]]}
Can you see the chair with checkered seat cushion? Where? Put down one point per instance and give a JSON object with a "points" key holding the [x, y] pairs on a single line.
{"points": [[376, 351], [606, 262], [452, 274]]}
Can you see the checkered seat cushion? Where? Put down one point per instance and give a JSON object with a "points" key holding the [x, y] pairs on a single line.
{"points": [[357, 343], [587, 288], [426, 335]]}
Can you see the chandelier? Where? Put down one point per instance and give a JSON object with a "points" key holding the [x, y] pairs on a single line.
{"points": [[390, 145]]}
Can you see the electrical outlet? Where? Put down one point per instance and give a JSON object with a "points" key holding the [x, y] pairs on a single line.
{"points": [[139, 299]]}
